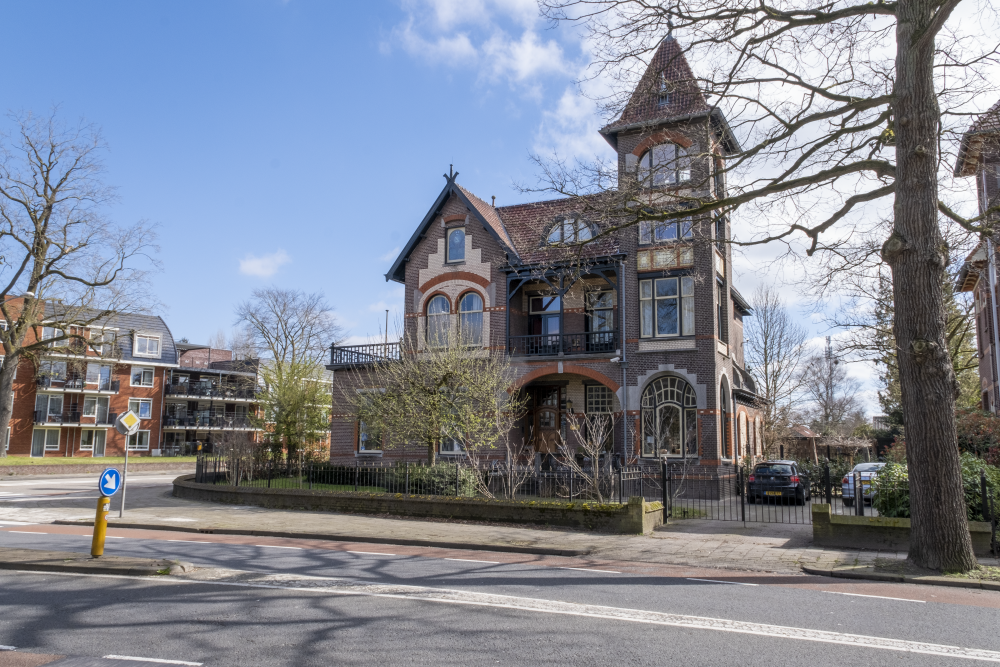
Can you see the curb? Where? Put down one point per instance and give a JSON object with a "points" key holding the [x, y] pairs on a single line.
{"points": [[78, 563], [534, 551], [867, 573]]}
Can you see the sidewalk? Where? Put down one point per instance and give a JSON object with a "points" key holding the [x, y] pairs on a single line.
{"points": [[784, 548]]}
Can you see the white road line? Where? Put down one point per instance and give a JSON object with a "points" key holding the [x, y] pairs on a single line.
{"points": [[469, 560], [370, 553], [717, 581], [4, 647], [165, 662], [880, 597], [192, 541], [589, 569], [14, 523], [275, 546], [110, 537], [445, 596], [28, 532]]}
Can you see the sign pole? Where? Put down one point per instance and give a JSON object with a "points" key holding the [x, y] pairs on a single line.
{"points": [[108, 484], [121, 508]]}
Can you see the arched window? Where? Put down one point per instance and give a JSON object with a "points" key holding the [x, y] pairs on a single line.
{"points": [[438, 310], [470, 319], [724, 411], [456, 245], [669, 418], [666, 164], [570, 230], [743, 449]]}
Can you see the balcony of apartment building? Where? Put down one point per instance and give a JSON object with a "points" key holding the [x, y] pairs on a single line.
{"points": [[178, 418], [58, 376], [352, 356], [74, 417], [559, 314], [213, 390]]}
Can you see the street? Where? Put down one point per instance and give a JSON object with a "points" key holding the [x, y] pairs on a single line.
{"points": [[317, 602]]}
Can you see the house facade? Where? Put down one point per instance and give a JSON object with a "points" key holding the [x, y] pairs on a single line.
{"points": [[641, 323], [979, 157]]}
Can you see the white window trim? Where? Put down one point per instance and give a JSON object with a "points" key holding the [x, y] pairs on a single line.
{"points": [[141, 401], [128, 440], [46, 447], [131, 377], [447, 245], [135, 345]]}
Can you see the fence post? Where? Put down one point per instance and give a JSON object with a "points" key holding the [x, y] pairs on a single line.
{"points": [[407, 478], [859, 495], [309, 473], [571, 475], [270, 465], [670, 492], [642, 490], [357, 471], [663, 487], [743, 496], [983, 495], [456, 479], [621, 485], [828, 484], [782, 449]]}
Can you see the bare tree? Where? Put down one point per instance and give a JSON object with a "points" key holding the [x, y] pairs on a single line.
{"points": [[293, 331], [67, 268], [774, 348], [581, 453], [832, 393], [835, 103]]}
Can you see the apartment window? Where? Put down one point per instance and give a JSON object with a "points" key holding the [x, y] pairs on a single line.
{"points": [[142, 377], [92, 440], [142, 407], [48, 333], [438, 321], [456, 245], [451, 445], [666, 307], [48, 408], [666, 164], [470, 322], [54, 371], [139, 441], [723, 313], [44, 440], [146, 346], [570, 230], [369, 440], [665, 232], [97, 407]]}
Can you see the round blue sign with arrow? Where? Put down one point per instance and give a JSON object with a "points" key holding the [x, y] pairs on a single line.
{"points": [[110, 482]]}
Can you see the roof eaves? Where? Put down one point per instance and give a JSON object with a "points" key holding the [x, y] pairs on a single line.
{"points": [[508, 242]]}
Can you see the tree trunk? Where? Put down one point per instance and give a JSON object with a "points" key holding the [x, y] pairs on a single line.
{"points": [[6, 390], [431, 452], [939, 537]]}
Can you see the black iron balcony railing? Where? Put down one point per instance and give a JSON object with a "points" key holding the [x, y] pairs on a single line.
{"points": [[197, 422], [590, 342], [206, 391], [74, 417], [360, 355], [76, 384]]}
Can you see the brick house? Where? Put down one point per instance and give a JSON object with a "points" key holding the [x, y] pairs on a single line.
{"points": [[643, 324], [979, 156]]}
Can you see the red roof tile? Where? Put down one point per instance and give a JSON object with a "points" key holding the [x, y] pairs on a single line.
{"points": [[490, 215], [529, 224]]}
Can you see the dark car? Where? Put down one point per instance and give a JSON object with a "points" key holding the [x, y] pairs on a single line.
{"points": [[776, 480]]}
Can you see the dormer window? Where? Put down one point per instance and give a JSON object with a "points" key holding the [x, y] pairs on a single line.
{"points": [[664, 88], [146, 345], [456, 245], [570, 231], [666, 164]]}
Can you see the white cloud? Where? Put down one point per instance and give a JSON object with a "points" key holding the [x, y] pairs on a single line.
{"points": [[391, 255], [264, 266]]}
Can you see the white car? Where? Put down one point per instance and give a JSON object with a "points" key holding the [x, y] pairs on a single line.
{"points": [[867, 471]]}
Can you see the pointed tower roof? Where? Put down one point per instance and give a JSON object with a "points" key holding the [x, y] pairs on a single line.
{"points": [[667, 91]]}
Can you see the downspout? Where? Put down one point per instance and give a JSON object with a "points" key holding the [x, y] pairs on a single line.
{"points": [[991, 259], [624, 365]]}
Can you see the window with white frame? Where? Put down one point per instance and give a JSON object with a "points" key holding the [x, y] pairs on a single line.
{"points": [[46, 439], [54, 371], [7, 446], [48, 408], [146, 345], [666, 307], [139, 441], [456, 245], [470, 322], [438, 321], [142, 407], [91, 439], [142, 376], [570, 231]]}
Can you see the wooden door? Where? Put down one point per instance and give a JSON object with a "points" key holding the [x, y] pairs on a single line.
{"points": [[547, 419]]}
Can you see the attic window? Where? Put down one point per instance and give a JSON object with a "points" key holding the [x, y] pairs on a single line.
{"points": [[664, 89], [456, 245], [570, 231]]}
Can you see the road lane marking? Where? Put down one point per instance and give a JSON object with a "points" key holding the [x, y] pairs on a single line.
{"points": [[110, 537], [275, 546], [718, 581], [193, 541], [879, 597], [469, 560], [589, 569], [333, 586], [27, 532], [371, 553], [165, 662], [4, 647]]}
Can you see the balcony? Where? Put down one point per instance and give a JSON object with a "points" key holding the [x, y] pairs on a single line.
{"points": [[74, 418], [77, 384], [199, 423], [590, 342], [198, 390], [362, 355]]}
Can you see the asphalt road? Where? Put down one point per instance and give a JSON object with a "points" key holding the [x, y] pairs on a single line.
{"points": [[409, 605]]}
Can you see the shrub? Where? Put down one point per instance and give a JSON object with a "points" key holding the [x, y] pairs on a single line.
{"points": [[892, 497], [436, 480], [978, 431], [892, 491]]}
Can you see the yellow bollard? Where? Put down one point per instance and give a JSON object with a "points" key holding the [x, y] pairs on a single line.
{"points": [[100, 526]]}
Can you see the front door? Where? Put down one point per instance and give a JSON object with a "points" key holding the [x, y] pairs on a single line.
{"points": [[100, 438], [547, 419], [38, 442]]}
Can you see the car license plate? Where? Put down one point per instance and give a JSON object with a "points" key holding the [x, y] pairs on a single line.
{"points": [[772, 493]]}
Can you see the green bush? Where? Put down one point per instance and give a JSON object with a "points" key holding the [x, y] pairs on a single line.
{"points": [[892, 497], [838, 468], [437, 480]]}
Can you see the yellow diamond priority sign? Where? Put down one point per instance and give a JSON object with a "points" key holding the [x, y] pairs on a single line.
{"points": [[127, 423]]}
